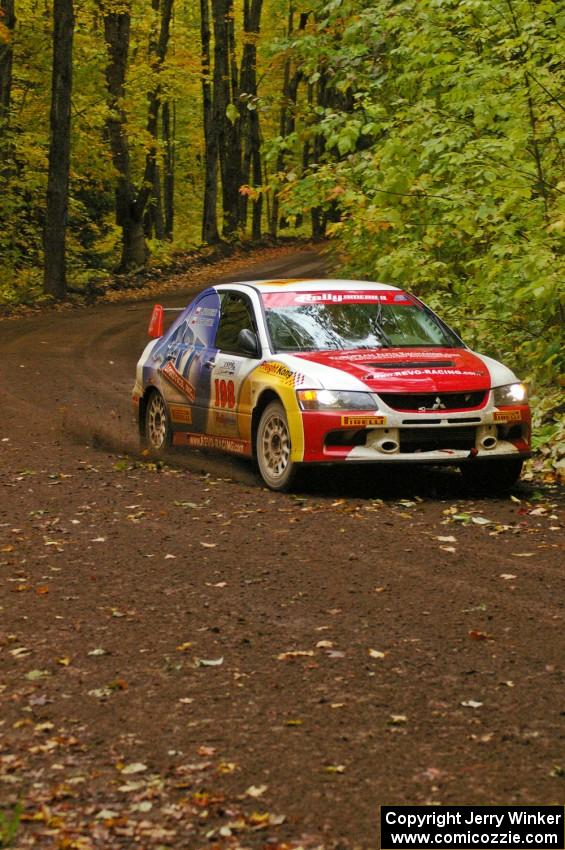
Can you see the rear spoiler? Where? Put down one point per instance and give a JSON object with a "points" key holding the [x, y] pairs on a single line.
{"points": [[155, 329]]}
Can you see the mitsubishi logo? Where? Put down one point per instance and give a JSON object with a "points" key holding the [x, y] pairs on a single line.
{"points": [[437, 405]]}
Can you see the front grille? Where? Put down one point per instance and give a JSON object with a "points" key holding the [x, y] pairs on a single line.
{"points": [[429, 401], [434, 439]]}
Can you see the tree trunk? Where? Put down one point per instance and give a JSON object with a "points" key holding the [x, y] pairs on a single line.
{"points": [[209, 214], [8, 20], [225, 85], [54, 280], [169, 132], [129, 213], [249, 117], [291, 83], [319, 147], [150, 192]]}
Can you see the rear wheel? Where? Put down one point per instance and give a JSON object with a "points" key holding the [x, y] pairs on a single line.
{"points": [[493, 477], [273, 447], [157, 428]]}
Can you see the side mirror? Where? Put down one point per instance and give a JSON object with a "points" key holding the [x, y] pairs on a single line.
{"points": [[248, 343]]}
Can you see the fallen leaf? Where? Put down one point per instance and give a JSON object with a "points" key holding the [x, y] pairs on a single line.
{"points": [[294, 653], [471, 703], [100, 693], [208, 545], [20, 652], [33, 675], [507, 576], [182, 647], [324, 644], [335, 768], [375, 653], [523, 554], [474, 634], [106, 814], [208, 662], [134, 767], [256, 790]]}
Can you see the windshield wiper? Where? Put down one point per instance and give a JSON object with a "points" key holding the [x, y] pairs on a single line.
{"points": [[377, 322]]}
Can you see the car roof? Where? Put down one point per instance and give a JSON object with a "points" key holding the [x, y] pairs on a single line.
{"points": [[306, 285]]}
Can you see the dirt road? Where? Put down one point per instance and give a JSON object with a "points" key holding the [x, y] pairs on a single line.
{"points": [[188, 660]]}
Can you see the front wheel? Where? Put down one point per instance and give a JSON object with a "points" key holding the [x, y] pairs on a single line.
{"points": [[492, 478], [157, 428], [277, 470]]}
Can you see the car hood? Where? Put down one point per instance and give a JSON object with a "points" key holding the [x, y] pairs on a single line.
{"points": [[405, 370]]}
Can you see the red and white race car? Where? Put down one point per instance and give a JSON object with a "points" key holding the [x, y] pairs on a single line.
{"points": [[328, 371]]}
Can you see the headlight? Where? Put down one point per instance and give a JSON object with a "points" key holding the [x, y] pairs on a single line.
{"points": [[510, 394], [335, 400]]}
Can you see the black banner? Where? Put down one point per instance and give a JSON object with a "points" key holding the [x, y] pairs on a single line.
{"points": [[478, 827]]}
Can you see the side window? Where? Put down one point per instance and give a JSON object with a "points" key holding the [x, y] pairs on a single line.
{"points": [[235, 316], [202, 321]]}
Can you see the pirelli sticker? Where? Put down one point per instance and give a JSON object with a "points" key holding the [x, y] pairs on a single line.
{"points": [[179, 381], [508, 416], [181, 414], [363, 421]]}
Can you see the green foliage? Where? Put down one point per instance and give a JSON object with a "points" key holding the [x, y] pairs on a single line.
{"points": [[446, 167], [9, 825]]}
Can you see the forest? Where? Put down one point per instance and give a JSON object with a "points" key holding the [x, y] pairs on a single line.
{"points": [[422, 139]]}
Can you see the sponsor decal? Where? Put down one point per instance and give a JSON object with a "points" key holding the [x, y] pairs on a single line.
{"points": [[181, 414], [389, 355], [206, 441], [362, 421], [507, 416], [352, 296], [179, 381], [228, 367], [340, 297], [283, 373], [402, 373], [226, 420]]}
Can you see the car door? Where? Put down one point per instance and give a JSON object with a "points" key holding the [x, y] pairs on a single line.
{"points": [[185, 369], [226, 402]]}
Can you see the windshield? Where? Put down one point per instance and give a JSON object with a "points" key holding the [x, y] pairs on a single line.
{"points": [[322, 321]]}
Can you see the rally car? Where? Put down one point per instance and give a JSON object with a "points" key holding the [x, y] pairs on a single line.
{"points": [[293, 373]]}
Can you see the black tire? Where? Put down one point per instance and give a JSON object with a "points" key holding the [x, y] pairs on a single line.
{"points": [[491, 478], [273, 448], [157, 434]]}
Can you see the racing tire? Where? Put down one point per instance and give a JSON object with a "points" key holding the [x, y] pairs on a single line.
{"points": [[491, 478], [157, 433], [273, 448]]}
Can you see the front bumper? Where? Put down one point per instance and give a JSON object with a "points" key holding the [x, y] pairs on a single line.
{"points": [[401, 437]]}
